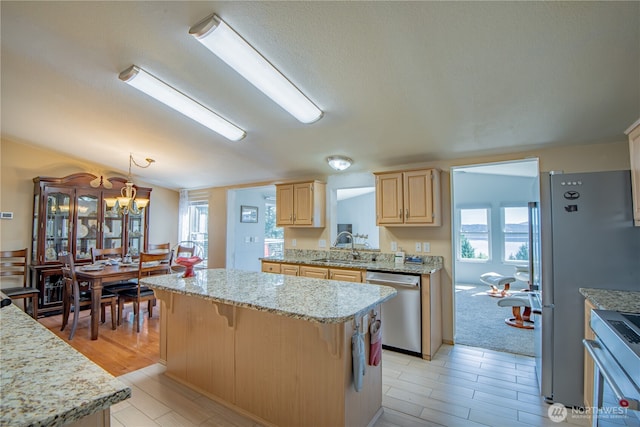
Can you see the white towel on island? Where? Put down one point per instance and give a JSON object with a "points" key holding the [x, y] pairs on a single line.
{"points": [[357, 354]]}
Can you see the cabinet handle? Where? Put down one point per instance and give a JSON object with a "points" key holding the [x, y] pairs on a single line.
{"points": [[400, 214], [407, 213]]}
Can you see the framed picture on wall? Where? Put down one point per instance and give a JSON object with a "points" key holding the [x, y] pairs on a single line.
{"points": [[248, 214]]}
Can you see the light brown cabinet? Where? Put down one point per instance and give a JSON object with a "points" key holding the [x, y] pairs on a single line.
{"points": [[634, 156], [290, 269], [271, 267], [301, 204], [408, 198], [313, 271], [431, 296], [345, 275], [588, 360]]}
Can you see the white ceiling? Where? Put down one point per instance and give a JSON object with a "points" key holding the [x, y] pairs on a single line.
{"points": [[399, 82]]}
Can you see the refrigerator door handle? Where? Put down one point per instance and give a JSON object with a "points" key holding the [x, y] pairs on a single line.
{"points": [[548, 306]]}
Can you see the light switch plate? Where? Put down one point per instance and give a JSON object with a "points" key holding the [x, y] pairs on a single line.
{"points": [[294, 242], [418, 247], [426, 247], [322, 243], [394, 246]]}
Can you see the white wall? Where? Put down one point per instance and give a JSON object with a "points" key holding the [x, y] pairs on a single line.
{"points": [[493, 191], [245, 241]]}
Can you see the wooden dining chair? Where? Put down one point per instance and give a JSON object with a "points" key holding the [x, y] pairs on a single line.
{"points": [[77, 298], [155, 248], [107, 253], [148, 264], [181, 251], [14, 263]]}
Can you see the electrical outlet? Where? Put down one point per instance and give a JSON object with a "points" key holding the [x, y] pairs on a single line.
{"points": [[426, 247], [394, 246], [294, 242], [322, 243], [418, 247]]}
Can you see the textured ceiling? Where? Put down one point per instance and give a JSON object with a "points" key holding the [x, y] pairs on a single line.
{"points": [[399, 82]]}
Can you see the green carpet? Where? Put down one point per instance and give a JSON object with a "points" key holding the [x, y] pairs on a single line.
{"points": [[480, 323]]}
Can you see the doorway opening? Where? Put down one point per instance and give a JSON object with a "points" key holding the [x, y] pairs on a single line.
{"points": [[490, 230], [251, 227]]}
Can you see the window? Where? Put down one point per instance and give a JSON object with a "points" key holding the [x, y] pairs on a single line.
{"points": [[474, 242], [515, 229], [273, 236], [198, 220]]}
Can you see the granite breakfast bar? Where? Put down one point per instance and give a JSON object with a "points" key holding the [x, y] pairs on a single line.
{"points": [[46, 382], [276, 348]]}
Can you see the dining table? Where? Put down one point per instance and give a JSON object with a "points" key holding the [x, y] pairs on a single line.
{"points": [[110, 273]]}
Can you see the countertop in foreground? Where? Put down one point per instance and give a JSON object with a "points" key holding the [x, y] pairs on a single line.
{"points": [[315, 300], [607, 299], [46, 382]]}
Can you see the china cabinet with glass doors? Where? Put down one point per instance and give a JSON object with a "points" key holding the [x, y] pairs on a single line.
{"points": [[69, 215]]}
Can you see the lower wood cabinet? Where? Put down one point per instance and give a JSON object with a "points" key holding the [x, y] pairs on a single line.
{"points": [[431, 295], [271, 267], [588, 360], [313, 271], [290, 269], [345, 275]]}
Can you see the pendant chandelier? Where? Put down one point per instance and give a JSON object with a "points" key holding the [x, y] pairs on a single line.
{"points": [[128, 202]]}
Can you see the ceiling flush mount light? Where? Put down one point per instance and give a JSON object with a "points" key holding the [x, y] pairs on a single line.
{"points": [[127, 202], [339, 163], [156, 88], [229, 46]]}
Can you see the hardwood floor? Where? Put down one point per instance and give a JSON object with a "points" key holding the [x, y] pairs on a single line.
{"points": [[461, 386], [117, 351]]}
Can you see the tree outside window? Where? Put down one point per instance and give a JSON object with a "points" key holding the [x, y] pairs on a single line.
{"points": [[515, 228], [474, 241], [273, 236]]}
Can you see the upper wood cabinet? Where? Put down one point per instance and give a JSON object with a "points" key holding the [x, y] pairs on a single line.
{"points": [[301, 204], [634, 156], [408, 198]]}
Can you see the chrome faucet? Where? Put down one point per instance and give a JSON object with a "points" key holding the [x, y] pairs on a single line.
{"points": [[354, 253]]}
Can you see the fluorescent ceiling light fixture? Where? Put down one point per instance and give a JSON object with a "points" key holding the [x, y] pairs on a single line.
{"points": [[229, 46], [156, 88], [339, 163]]}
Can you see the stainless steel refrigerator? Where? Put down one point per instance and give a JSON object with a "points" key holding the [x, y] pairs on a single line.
{"points": [[587, 241]]}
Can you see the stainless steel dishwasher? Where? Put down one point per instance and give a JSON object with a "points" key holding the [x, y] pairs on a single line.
{"points": [[401, 316]]}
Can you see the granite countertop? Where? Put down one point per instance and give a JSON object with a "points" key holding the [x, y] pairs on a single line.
{"points": [[607, 299], [43, 380], [315, 300], [429, 267]]}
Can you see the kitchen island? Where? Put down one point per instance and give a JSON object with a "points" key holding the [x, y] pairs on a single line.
{"points": [[275, 348], [45, 382]]}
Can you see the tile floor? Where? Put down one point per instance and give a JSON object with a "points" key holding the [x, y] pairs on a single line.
{"points": [[462, 386]]}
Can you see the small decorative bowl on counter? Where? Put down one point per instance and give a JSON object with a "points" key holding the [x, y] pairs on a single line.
{"points": [[188, 263]]}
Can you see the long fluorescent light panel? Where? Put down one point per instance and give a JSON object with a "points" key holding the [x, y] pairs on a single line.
{"points": [[156, 88], [229, 46]]}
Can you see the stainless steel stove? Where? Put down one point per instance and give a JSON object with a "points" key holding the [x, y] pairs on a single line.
{"points": [[616, 353]]}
